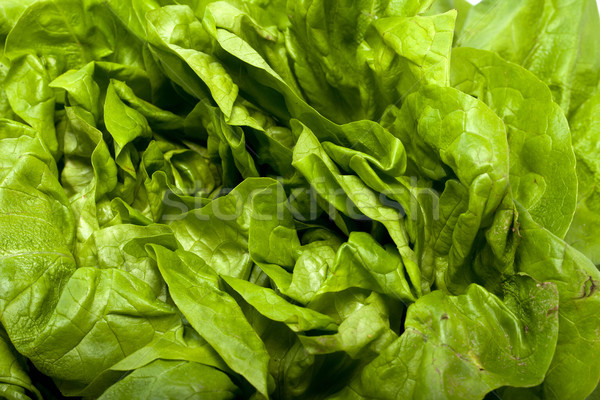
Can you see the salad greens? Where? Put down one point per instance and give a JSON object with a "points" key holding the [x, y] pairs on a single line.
{"points": [[299, 199]]}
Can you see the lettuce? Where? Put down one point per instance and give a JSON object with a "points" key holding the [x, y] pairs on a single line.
{"points": [[303, 199]]}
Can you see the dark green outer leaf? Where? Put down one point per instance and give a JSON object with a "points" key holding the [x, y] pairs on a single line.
{"points": [[461, 347], [574, 371]]}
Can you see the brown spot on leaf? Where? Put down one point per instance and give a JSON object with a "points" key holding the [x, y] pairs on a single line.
{"points": [[589, 287], [551, 312]]}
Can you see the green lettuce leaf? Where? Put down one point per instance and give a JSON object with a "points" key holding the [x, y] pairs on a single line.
{"points": [[15, 384], [558, 42], [517, 96], [182, 379], [218, 319], [299, 199], [501, 343], [542, 255], [585, 131]]}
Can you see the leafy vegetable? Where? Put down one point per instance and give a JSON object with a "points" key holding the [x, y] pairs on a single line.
{"points": [[322, 199]]}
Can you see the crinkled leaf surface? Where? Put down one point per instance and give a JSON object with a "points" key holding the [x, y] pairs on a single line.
{"points": [[299, 199]]}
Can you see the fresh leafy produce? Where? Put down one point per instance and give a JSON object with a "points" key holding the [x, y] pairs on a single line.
{"points": [[300, 199]]}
